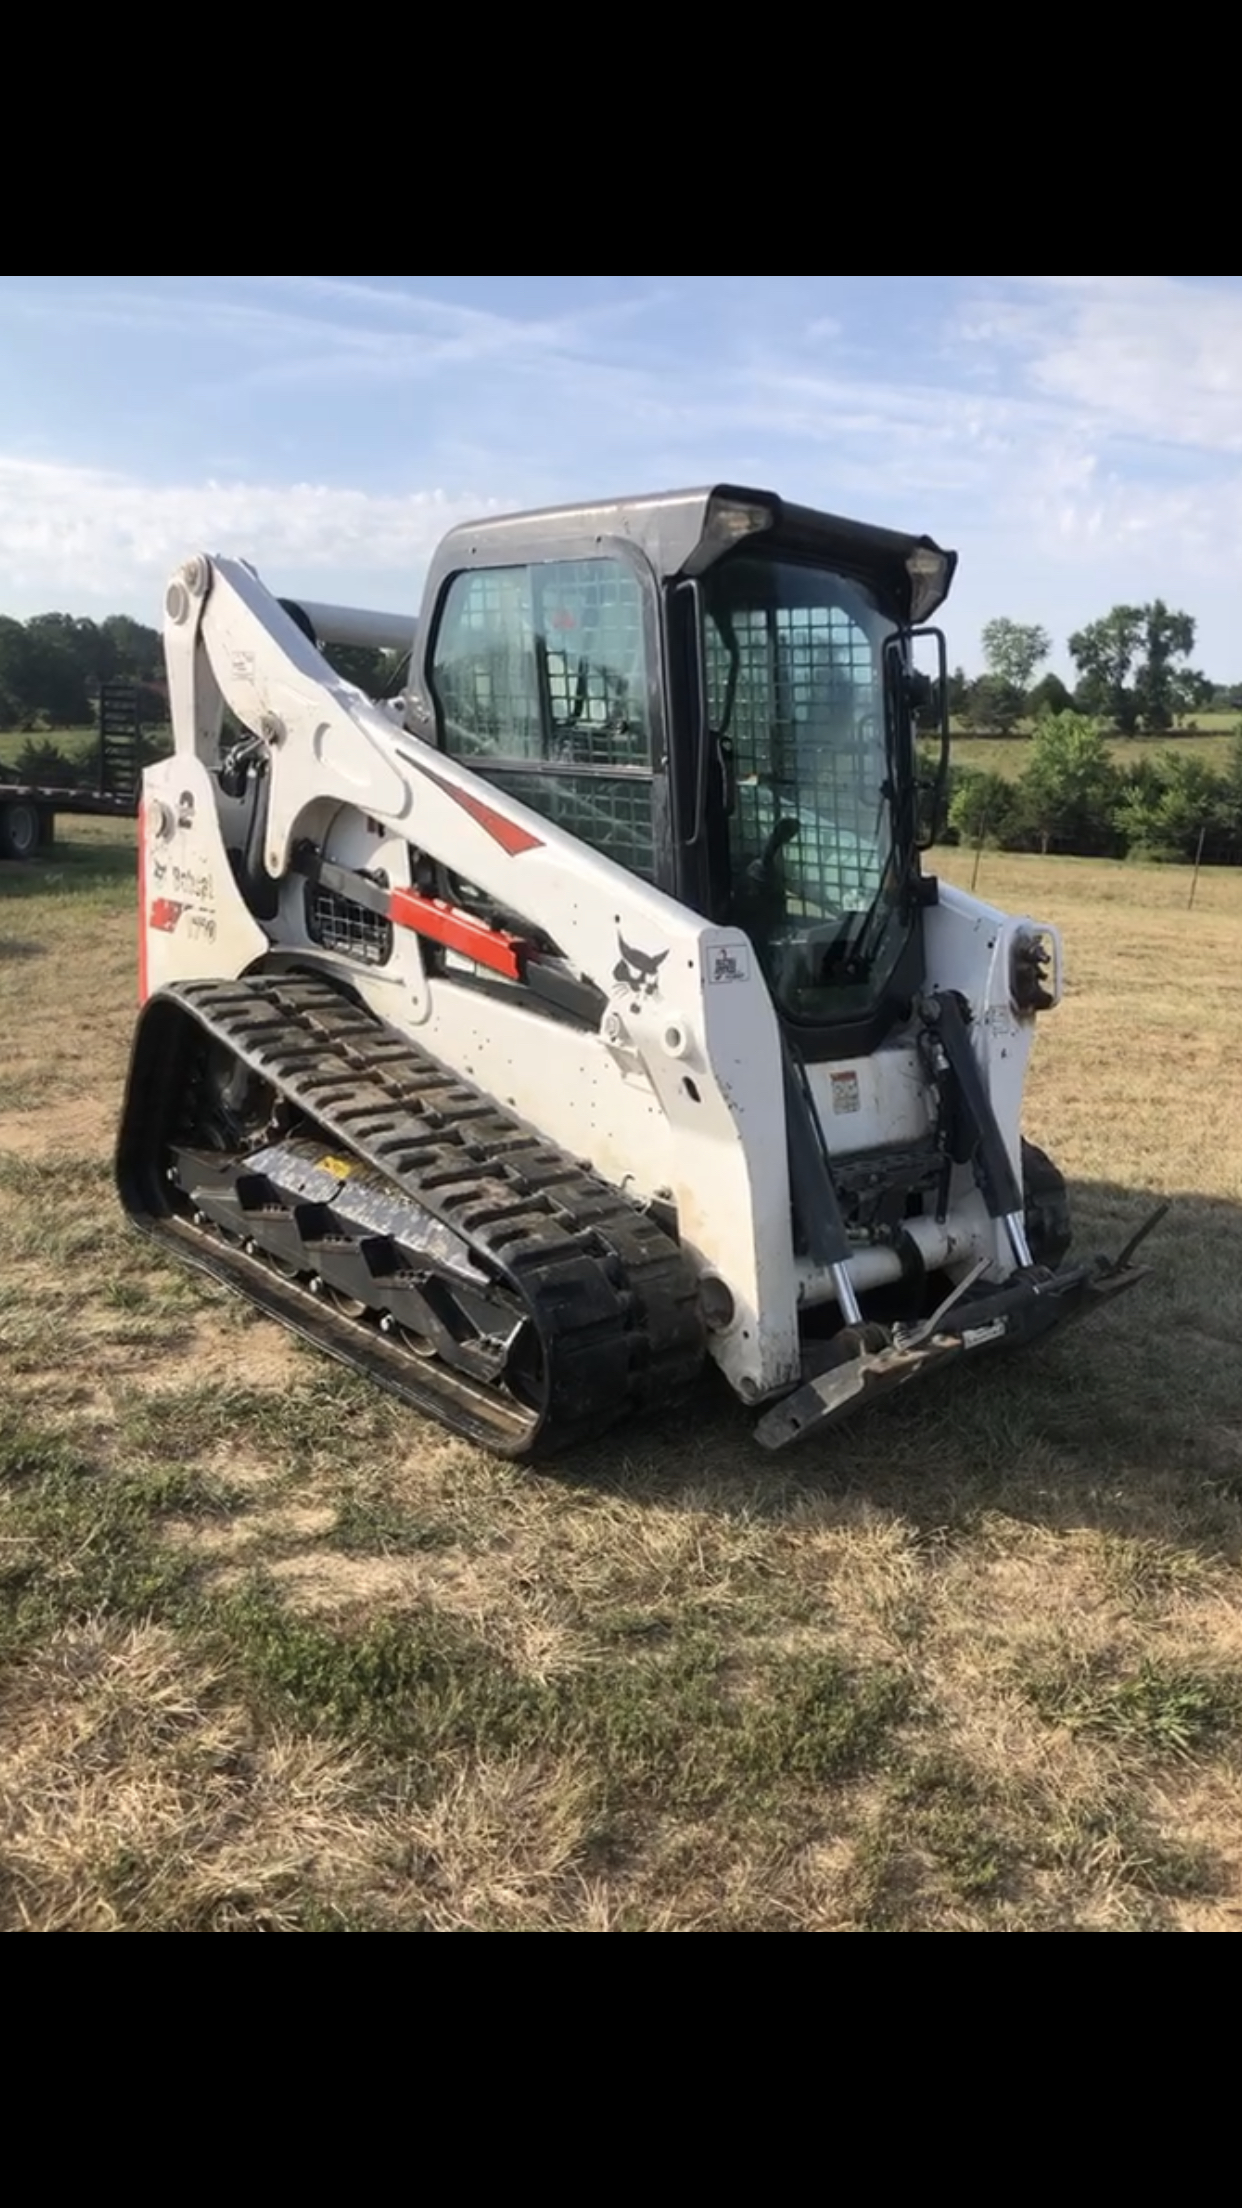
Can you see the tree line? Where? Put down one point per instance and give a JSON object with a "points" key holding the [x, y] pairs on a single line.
{"points": [[1133, 669], [1133, 675], [1074, 796], [52, 666]]}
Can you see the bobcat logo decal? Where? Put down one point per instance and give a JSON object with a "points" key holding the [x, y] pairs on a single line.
{"points": [[638, 970]]}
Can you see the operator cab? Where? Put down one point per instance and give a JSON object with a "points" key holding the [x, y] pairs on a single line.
{"points": [[714, 689]]}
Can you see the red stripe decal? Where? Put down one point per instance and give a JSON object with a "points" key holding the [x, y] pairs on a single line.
{"points": [[457, 931], [505, 832], [142, 901]]}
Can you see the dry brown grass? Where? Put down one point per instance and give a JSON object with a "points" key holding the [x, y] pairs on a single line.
{"points": [[134, 1794], [276, 1654], [1011, 755]]}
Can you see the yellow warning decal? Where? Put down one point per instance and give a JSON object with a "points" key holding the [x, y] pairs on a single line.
{"points": [[339, 1168]]}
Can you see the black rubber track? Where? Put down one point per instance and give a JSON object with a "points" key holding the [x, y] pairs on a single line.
{"points": [[609, 1295]]}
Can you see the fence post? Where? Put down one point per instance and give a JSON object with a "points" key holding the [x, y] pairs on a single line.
{"points": [[983, 829], [1195, 876]]}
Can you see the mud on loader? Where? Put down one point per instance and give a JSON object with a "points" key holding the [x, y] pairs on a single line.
{"points": [[585, 1012]]}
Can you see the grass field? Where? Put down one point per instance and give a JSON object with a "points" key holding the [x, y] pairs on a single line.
{"points": [[1010, 756], [76, 743], [275, 1654]]}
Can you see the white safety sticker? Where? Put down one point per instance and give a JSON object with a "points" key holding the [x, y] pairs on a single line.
{"points": [[845, 1093], [728, 962]]}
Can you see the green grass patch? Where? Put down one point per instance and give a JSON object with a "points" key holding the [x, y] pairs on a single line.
{"points": [[1161, 1706], [78, 1542], [368, 1525], [664, 1722], [331, 1420]]}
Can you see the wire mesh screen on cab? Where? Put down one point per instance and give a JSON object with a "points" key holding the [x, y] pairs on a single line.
{"points": [[795, 687], [542, 679]]}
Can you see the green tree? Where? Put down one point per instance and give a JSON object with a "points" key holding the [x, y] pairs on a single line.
{"points": [[44, 765], [1167, 636], [1233, 771], [1192, 692], [1071, 786], [1127, 663], [70, 658], [17, 708], [1050, 695], [956, 780], [993, 706], [1012, 650], [136, 652], [1165, 804], [1231, 788], [989, 808], [1104, 654], [52, 665], [59, 652]]}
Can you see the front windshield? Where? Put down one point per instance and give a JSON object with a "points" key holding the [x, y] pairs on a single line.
{"points": [[796, 695]]}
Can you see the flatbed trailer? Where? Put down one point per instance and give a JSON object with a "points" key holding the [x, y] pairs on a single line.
{"points": [[28, 810], [28, 815]]}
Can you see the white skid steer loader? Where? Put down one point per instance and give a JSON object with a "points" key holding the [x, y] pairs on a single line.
{"points": [[585, 1012]]}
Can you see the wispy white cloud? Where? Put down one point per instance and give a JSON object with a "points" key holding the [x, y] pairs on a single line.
{"points": [[167, 306], [364, 333], [1078, 439], [1157, 358], [455, 317], [87, 534], [422, 338]]}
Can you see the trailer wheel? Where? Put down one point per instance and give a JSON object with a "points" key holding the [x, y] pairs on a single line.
{"points": [[19, 829]]}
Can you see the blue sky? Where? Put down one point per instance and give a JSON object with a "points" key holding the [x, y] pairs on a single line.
{"points": [[1077, 439]]}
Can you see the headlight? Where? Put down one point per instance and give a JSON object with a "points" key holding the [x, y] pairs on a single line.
{"points": [[930, 571]]}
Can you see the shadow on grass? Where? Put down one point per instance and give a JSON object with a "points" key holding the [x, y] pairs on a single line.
{"points": [[73, 867], [1129, 1421], [12, 949]]}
